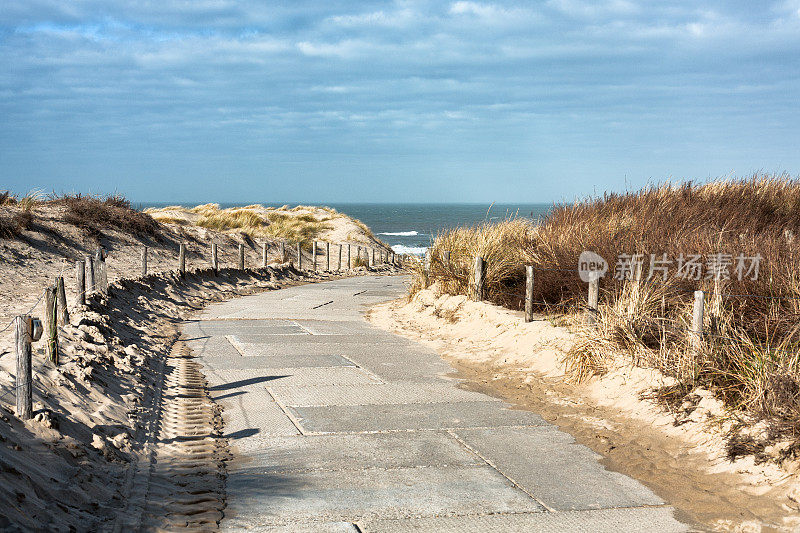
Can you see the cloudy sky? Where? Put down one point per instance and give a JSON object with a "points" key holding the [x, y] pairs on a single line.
{"points": [[220, 100]]}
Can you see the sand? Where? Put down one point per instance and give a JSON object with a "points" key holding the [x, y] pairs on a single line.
{"points": [[681, 456]]}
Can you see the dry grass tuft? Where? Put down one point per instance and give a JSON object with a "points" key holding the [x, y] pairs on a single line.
{"points": [[93, 214], [751, 357]]}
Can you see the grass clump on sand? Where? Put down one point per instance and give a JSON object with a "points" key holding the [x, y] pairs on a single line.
{"points": [[93, 213], [297, 224], [750, 357]]}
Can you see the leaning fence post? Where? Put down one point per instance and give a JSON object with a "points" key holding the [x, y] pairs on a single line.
{"points": [[182, 260], [51, 324], [241, 256], [89, 274], [528, 292], [62, 301], [299, 256], [479, 272], [327, 256], [591, 303], [22, 382], [314, 256], [80, 282], [214, 262], [264, 254], [144, 261], [283, 252], [696, 335]]}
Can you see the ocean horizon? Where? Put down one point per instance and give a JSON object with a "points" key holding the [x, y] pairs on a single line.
{"points": [[409, 227]]}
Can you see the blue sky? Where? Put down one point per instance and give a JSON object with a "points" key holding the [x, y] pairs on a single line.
{"points": [[335, 101]]}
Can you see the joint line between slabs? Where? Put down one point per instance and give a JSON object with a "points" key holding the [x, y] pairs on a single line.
{"points": [[496, 469], [283, 408], [235, 344]]}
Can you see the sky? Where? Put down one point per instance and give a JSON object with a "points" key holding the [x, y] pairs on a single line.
{"points": [[344, 101]]}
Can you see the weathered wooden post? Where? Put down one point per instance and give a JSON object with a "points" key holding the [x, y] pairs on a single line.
{"points": [[446, 259], [144, 261], [182, 260], [339, 268], [479, 274], [62, 301], [299, 256], [100, 277], [264, 254], [349, 263], [327, 256], [591, 303], [214, 262], [22, 381], [80, 282], [528, 292], [51, 324], [283, 252], [696, 335], [89, 274], [372, 263], [241, 256], [314, 256]]}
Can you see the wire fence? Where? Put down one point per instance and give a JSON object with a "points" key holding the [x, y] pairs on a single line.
{"points": [[472, 269], [91, 277]]}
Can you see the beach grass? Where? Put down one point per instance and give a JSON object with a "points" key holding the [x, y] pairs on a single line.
{"points": [[749, 356]]}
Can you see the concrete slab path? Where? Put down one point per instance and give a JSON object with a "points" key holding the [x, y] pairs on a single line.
{"points": [[338, 426]]}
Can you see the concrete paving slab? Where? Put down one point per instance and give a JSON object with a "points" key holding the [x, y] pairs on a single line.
{"points": [[407, 392], [208, 347], [294, 377], [277, 499], [553, 468], [338, 453], [253, 412], [429, 416], [641, 520], [277, 361]]}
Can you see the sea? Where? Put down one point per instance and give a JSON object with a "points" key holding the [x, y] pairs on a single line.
{"points": [[410, 228]]}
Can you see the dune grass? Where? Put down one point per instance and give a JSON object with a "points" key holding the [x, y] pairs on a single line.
{"points": [[750, 357]]}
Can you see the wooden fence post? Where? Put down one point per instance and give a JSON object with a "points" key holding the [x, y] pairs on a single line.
{"points": [[372, 263], [314, 256], [264, 254], [327, 256], [22, 381], [591, 303], [479, 274], [528, 292], [62, 301], [214, 262], [299, 256], [182, 260], [89, 274], [283, 252], [51, 324], [241, 256], [100, 278], [80, 281], [340, 259], [446, 259], [144, 261], [696, 335], [349, 263]]}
